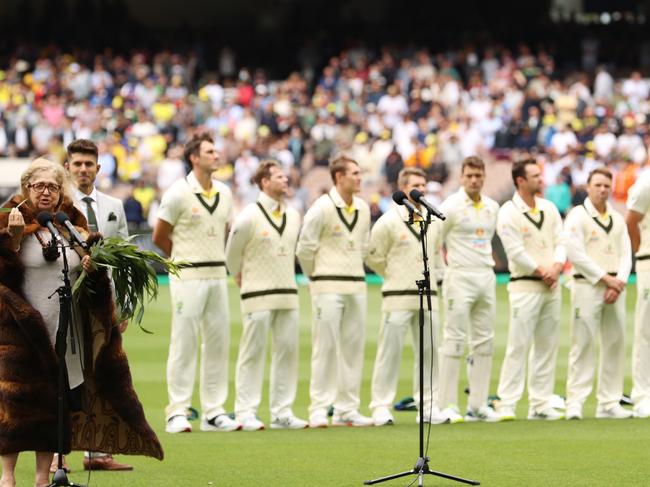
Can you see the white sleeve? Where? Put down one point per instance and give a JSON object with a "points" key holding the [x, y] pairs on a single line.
{"points": [[379, 246], [638, 199], [558, 237], [240, 234], [309, 239], [625, 263], [446, 208], [170, 206], [365, 245], [512, 240], [438, 266], [575, 247]]}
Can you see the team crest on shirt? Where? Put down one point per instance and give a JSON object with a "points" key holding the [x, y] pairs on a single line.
{"points": [[480, 232], [194, 213], [338, 230]]}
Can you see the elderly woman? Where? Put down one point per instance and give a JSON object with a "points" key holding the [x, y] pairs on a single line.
{"points": [[105, 414]]}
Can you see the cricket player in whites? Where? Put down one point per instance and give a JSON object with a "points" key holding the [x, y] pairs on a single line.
{"points": [[191, 227], [331, 249], [469, 294], [261, 256], [598, 246], [396, 254], [530, 229], [638, 225]]}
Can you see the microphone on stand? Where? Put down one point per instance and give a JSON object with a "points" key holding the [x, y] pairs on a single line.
{"points": [[63, 219], [400, 198], [419, 197], [45, 220]]}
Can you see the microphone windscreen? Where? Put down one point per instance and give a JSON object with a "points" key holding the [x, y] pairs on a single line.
{"points": [[415, 194], [44, 218], [61, 217], [399, 197]]}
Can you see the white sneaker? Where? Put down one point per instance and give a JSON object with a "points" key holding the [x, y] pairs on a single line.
{"points": [[433, 416], [288, 423], [642, 410], [573, 413], [250, 423], [484, 413], [452, 415], [382, 417], [557, 402], [507, 413], [318, 420], [615, 412], [221, 422], [178, 424], [355, 418], [548, 414]]}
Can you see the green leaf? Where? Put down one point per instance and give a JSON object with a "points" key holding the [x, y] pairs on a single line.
{"points": [[135, 280]]}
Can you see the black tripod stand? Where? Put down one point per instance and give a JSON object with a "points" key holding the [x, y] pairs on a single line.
{"points": [[421, 467], [60, 478]]}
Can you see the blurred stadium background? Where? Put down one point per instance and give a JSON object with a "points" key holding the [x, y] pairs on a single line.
{"points": [[395, 83]]}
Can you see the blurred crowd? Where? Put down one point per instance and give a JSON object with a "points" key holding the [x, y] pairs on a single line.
{"points": [[388, 109]]}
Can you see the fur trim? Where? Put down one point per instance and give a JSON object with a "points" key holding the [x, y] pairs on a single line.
{"points": [[112, 418], [29, 214]]}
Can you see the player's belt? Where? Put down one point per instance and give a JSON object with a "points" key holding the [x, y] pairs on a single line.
{"points": [[339, 278], [643, 257], [525, 278], [407, 292], [580, 276], [207, 263], [267, 292]]}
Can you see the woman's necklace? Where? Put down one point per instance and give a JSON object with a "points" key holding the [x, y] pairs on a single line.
{"points": [[50, 249]]}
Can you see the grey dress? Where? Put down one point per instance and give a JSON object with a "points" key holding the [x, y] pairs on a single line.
{"points": [[42, 278]]}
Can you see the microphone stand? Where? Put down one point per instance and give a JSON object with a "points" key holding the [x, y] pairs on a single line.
{"points": [[421, 467], [60, 478]]}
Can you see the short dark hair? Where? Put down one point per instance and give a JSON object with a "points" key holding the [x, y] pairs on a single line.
{"points": [[264, 171], [474, 162], [603, 171], [82, 146], [193, 147], [519, 169], [340, 164]]}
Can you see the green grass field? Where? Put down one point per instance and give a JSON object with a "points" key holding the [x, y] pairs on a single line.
{"points": [[576, 453]]}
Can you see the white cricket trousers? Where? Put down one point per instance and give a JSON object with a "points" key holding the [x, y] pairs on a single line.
{"points": [[338, 332], [641, 350], [249, 375], [385, 376], [534, 317], [470, 307], [590, 316], [199, 311]]}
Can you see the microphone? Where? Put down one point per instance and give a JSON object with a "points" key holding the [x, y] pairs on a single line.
{"points": [[63, 219], [45, 220], [400, 198], [419, 197]]}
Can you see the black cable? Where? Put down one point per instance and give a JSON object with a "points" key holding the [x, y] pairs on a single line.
{"points": [[431, 364], [90, 467]]}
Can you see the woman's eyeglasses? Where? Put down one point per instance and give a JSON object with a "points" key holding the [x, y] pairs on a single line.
{"points": [[41, 187]]}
